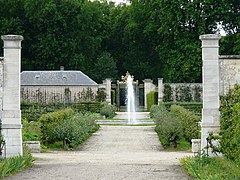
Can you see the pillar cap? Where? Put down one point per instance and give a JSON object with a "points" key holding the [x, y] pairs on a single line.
{"points": [[147, 81], [12, 37], [210, 37]]}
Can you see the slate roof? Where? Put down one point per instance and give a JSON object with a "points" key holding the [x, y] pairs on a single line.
{"points": [[56, 78]]}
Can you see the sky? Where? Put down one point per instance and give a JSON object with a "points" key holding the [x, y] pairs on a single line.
{"points": [[118, 1]]}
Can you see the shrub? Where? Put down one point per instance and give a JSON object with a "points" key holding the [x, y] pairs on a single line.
{"points": [[188, 122], [31, 130], [168, 127], [230, 124], [108, 110], [50, 121], [75, 130], [101, 95], [154, 109], [167, 93], [152, 98], [12, 165]]}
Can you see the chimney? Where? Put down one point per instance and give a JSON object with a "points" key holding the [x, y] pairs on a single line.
{"points": [[61, 68]]}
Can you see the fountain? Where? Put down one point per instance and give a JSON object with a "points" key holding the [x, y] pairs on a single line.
{"points": [[130, 100]]}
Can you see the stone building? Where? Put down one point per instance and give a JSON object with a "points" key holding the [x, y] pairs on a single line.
{"points": [[57, 86]]}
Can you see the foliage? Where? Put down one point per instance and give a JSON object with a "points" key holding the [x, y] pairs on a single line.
{"points": [[113, 96], [168, 127], [101, 95], [31, 130], [50, 121], [230, 124], [152, 98], [106, 67], [151, 39], [167, 93], [75, 130], [188, 121], [195, 107], [87, 95], [12, 165], [108, 110], [154, 109], [197, 93], [186, 95], [175, 126], [203, 167]]}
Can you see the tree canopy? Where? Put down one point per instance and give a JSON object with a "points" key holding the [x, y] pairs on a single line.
{"points": [[148, 38]]}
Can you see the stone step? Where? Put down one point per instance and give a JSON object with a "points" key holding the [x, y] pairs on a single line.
{"points": [[124, 121]]}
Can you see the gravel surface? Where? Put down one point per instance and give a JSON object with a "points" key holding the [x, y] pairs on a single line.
{"points": [[112, 153]]}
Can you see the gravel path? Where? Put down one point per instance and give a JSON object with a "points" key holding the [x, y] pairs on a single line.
{"points": [[112, 153]]}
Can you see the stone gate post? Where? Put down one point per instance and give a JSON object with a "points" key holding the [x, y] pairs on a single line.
{"points": [[108, 82], [210, 79], [160, 90], [11, 114]]}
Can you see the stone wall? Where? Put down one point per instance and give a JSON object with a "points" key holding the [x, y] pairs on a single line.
{"points": [[229, 72], [178, 90], [55, 94]]}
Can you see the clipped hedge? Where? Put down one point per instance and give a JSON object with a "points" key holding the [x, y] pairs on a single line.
{"points": [[50, 121], [191, 106], [152, 98], [230, 124], [189, 122]]}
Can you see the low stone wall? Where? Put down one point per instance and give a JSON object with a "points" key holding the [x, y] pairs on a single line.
{"points": [[33, 146]]}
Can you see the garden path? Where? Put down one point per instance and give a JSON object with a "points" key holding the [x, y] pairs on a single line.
{"points": [[112, 153]]}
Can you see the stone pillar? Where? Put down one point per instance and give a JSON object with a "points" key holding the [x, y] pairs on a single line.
{"points": [[160, 90], [108, 90], [148, 87], [11, 114], [210, 79]]}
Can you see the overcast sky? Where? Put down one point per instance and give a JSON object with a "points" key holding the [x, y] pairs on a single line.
{"points": [[118, 1]]}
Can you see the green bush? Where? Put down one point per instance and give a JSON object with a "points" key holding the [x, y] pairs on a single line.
{"points": [[154, 109], [101, 95], [31, 131], [167, 93], [50, 121], [230, 124], [189, 122], [108, 110], [75, 130], [12, 165], [168, 127], [152, 98]]}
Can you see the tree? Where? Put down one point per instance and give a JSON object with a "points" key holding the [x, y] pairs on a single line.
{"points": [[105, 67]]}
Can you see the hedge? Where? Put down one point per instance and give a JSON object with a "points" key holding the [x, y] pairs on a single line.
{"points": [[152, 98], [230, 124], [191, 106]]}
